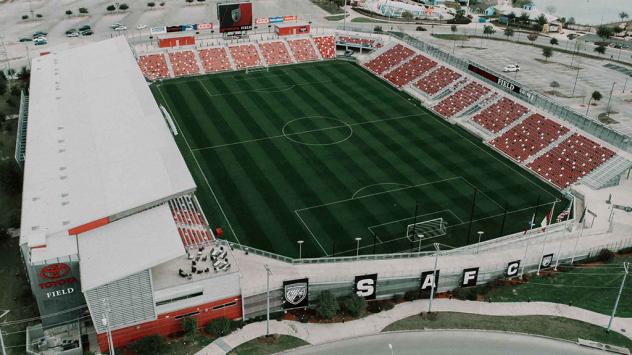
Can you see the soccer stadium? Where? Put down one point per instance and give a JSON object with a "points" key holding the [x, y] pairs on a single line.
{"points": [[231, 175]]}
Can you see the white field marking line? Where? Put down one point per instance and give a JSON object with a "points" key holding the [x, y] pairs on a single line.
{"points": [[378, 184], [285, 88], [311, 233], [377, 193], [344, 124], [421, 215], [309, 131], [200, 168], [484, 194]]}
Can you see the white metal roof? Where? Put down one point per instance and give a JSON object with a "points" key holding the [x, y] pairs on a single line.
{"points": [[128, 246], [97, 144]]}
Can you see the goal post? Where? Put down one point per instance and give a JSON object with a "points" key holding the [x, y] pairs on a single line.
{"points": [[256, 69], [429, 229]]}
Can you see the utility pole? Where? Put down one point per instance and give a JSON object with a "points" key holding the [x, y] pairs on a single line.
{"points": [[434, 277], [610, 97], [575, 85], [268, 272], [616, 303]]}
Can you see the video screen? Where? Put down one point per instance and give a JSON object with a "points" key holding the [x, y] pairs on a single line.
{"points": [[234, 17]]}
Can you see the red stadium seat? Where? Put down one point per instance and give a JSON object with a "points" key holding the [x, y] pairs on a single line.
{"points": [[245, 56], [215, 59], [303, 50], [500, 115], [389, 59], [275, 53], [462, 99], [410, 70], [153, 66], [184, 63], [437, 80], [326, 45]]}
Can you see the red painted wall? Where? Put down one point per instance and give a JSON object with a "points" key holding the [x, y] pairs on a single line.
{"points": [[292, 30], [167, 324], [176, 41]]}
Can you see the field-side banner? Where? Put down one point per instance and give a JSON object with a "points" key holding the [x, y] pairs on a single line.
{"points": [[295, 293]]}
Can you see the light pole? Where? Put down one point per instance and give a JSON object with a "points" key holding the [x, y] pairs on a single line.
{"points": [[610, 97], [434, 277], [268, 273], [616, 303], [575, 85], [390, 346], [4, 351], [106, 323], [421, 237], [478, 245], [358, 239], [300, 249]]}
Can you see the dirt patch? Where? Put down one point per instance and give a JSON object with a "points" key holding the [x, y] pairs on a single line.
{"points": [[606, 119]]}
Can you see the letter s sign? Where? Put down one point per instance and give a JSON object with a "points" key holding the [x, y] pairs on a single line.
{"points": [[366, 286]]}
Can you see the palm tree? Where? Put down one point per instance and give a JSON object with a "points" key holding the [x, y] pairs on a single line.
{"points": [[509, 32], [623, 15], [596, 95], [547, 53], [453, 28]]}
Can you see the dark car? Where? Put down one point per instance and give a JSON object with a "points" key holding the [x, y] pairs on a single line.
{"points": [[39, 34], [87, 33], [72, 30], [25, 39], [85, 28]]}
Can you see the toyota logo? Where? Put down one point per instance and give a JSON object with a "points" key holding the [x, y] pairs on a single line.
{"points": [[54, 271]]}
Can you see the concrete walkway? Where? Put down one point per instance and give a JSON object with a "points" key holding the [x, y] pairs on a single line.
{"points": [[316, 334]]}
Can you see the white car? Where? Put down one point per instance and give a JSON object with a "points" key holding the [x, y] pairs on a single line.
{"points": [[72, 34], [120, 28], [141, 27], [115, 25], [511, 68], [40, 41]]}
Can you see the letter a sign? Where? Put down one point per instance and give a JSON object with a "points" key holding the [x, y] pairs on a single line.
{"points": [[426, 283]]}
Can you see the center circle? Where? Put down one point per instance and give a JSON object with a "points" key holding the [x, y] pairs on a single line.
{"points": [[317, 130]]}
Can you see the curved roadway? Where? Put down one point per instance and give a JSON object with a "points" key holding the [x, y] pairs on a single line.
{"points": [[449, 342]]}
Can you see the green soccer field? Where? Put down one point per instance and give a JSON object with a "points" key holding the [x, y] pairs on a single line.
{"points": [[326, 153]]}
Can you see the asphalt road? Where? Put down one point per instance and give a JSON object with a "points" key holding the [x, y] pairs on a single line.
{"points": [[447, 343]]}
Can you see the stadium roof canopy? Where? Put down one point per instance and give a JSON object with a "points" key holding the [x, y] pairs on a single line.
{"points": [[128, 246], [97, 148]]}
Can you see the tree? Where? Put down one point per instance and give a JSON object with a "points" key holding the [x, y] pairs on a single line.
{"points": [[532, 37], [149, 345], [24, 74], [570, 21], [189, 326], [623, 15], [601, 49], [327, 305], [524, 18], [10, 177], [554, 41], [511, 17], [596, 96], [25, 17], [39, 16], [110, 8], [151, 4], [83, 10], [218, 327], [68, 12], [162, 4], [407, 15], [547, 53], [377, 29], [542, 21], [489, 30], [509, 32], [354, 305], [604, 32], [123, 6]]}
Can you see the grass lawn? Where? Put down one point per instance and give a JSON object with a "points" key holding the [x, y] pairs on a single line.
{"points": [[326, 152], [592, 287], [263, 345], [367, 20], [335, 17], [555, 327], [451, 37], [328, 6]]}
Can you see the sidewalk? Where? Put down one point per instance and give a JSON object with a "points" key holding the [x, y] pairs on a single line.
{"points": [[324, 333]]}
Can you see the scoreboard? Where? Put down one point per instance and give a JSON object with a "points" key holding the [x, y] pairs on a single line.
{"points": [[234, 17]]}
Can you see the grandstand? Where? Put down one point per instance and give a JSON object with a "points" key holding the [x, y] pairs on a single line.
{"points": [[500, 115], [184, 63], [410, 70], [389, 59], [437, 80], [153, 66], [215, 59], [245, 56], [326, 45], [303, 50], [275, 53], [461, 100]]}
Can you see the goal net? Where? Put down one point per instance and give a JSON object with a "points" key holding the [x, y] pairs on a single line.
{"points": [[432, 228], [256, 69]]}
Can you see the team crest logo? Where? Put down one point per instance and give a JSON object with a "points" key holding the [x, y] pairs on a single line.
{"points": [[295, 293], [54, 271], [547, 260], [235, 14]]}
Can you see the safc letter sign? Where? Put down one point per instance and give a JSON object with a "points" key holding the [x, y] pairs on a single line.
{"points": [[295, 293], [469, 277], [426, 283], [366, 286]]}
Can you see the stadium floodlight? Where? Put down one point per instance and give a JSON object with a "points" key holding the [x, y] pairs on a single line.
{"points": [[358, 239], [478, 245], [300, 248], [626, 270], [390, 346], [268, 272]]}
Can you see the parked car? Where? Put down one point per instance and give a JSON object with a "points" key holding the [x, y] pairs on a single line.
{"points": [[120, 28], [512, 68], [87, 33], [115, 25], [71, 31], [25, 39], [72, 34], [38, 34], [40, 41], [141, 27], [84, 28]]}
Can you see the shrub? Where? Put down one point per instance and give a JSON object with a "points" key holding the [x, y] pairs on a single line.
{"points": [[555, 84], [83, 10], [377, 29], [162, 4], [25, 17], [387, 306], [397, 298], [327, 305], [189, 326], [554, 41], [149, 345], [420, 28], [411, 295], [218, 327], [374, 307], [600, 49], [605, 255], [354, 305], [15, 91], [110, 8], [151, 4], [462, 293], [123, 7], [68, 12], [39, 16]]}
